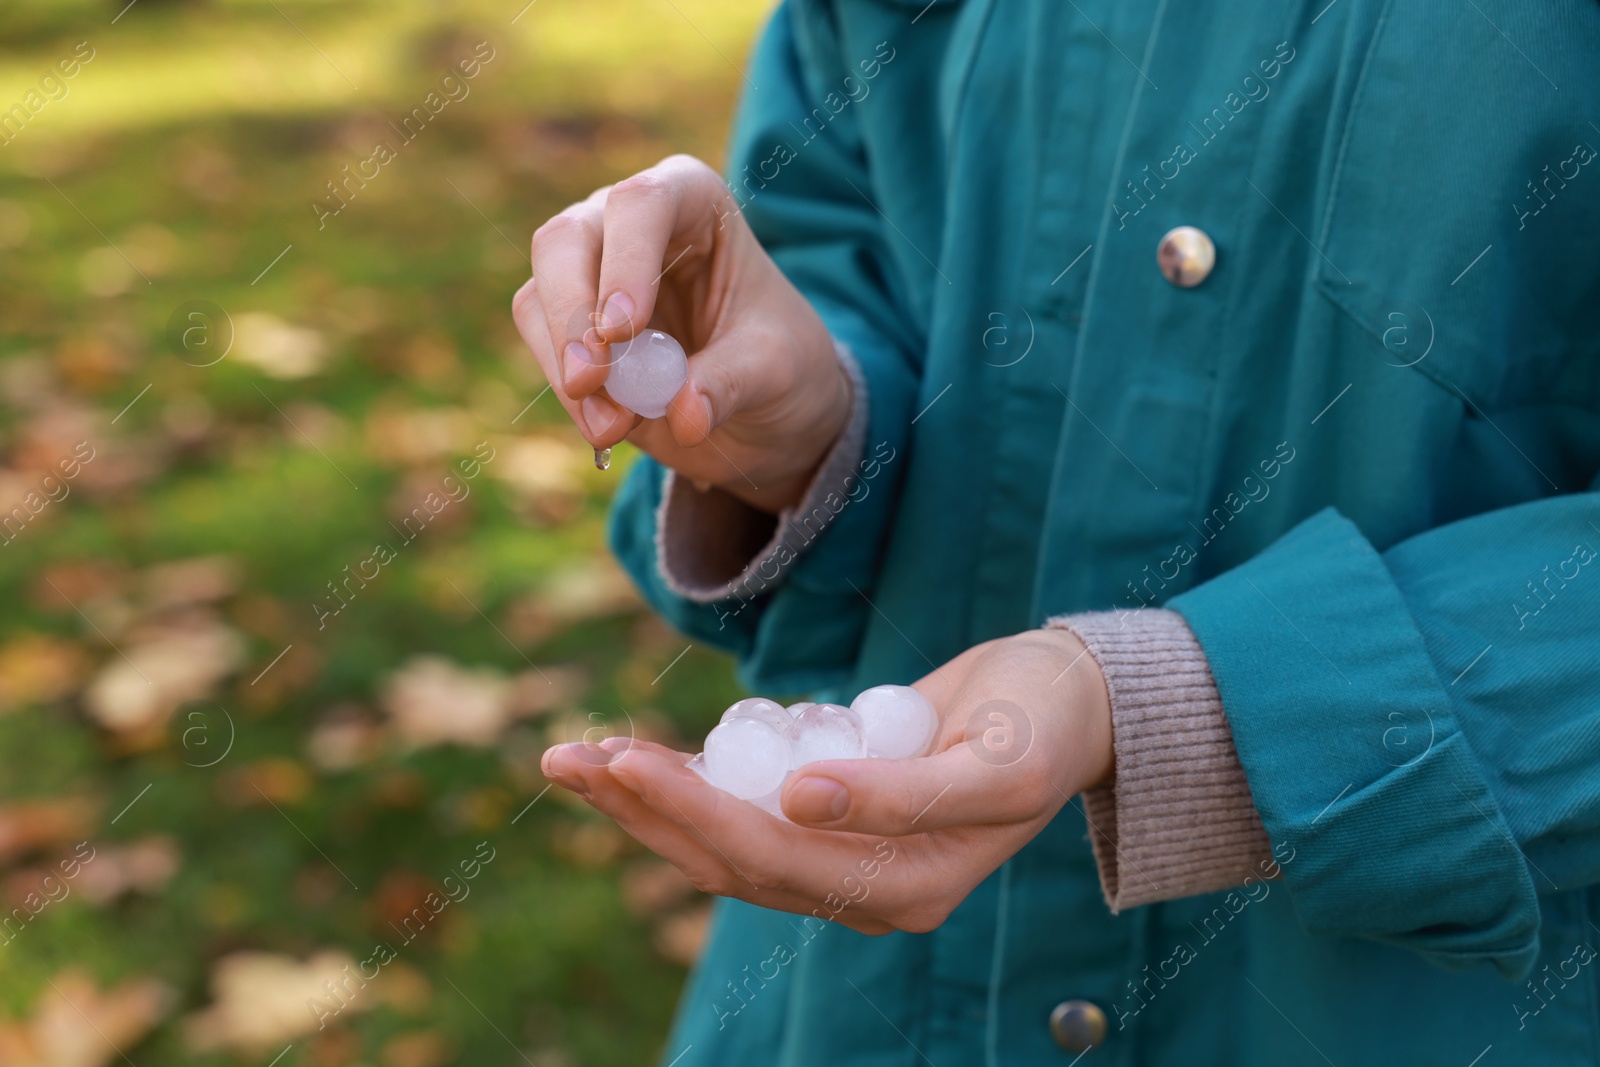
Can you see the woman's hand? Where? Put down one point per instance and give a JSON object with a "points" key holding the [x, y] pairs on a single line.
{"points": [[668, 248], [880, 845]]}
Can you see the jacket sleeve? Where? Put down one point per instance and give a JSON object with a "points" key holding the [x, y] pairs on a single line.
{"points": [[1420, 726], [802, 630]]}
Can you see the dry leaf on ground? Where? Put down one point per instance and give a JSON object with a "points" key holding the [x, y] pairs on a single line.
{"points": [[138, 690], [186, 582], [273, 780], [433, 701], [260, 1000], [346, 737], [31, 825], [142, 866], [423, 1048], [76, 1024], [277, 348]]}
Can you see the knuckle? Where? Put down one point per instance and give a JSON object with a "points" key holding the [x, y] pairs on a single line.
{"points": [[644, 186], [712, 883], [907, 804], [765, 873], [566, 226], [693, 172], [523, 302], [683, 161]]}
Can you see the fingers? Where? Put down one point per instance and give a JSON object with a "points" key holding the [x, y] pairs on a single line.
{"points": [[657, 246], [599, 266], [605, 421], [600, 262], [582, 769], [654, 221], [761, 849], [585, 769], [566, 263], [893, 798], [600, 421], [641, 217], [528, 313]]}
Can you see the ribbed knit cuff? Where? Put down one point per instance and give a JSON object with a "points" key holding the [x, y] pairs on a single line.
{"points": [[711, 545], [1177, 819]]}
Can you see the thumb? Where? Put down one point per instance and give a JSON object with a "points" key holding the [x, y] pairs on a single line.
{"points": [[908, 796], [749, 368]]}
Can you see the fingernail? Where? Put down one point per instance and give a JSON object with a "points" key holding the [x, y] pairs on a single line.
{"points": [[818, 799], [598, 414], [552, 764], [618, 310], [711, 422], [576, 358]]}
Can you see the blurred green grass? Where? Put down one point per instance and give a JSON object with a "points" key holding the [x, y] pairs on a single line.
{"points": [[181, 161]]}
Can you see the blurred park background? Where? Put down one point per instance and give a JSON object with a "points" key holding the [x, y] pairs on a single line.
{"points": [[244, 750]]}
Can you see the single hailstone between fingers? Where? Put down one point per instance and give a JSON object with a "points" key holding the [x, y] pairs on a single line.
{"points": [[646, 373], [898, 721]]}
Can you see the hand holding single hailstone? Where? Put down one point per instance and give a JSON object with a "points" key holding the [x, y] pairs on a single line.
{"points": [[760, 743]]}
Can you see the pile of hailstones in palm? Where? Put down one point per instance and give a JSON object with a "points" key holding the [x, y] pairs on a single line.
{"points": [[760, 743]]}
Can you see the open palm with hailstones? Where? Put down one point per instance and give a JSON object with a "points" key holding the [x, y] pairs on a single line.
{"points": [[1023, 723]]}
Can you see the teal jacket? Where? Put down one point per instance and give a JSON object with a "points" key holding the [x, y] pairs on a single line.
{"points": [[1360, 459]]}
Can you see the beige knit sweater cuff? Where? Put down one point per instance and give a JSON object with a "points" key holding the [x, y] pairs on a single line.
{"points": [[1177, 819]]}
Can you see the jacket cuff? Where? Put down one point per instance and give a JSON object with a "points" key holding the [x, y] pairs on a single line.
{"points": [[1177, 819], [712, 546]]}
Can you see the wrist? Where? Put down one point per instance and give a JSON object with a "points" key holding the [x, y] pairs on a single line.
{"points": [[787, 485], [1087, 699]]}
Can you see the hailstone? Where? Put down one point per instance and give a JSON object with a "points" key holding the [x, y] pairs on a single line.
{"points": [[826, 731], [747, 757], [898, 721], [769, 711], [647, 372]]}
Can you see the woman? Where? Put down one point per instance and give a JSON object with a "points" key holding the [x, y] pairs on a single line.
{"points": [[1203, 402]]}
